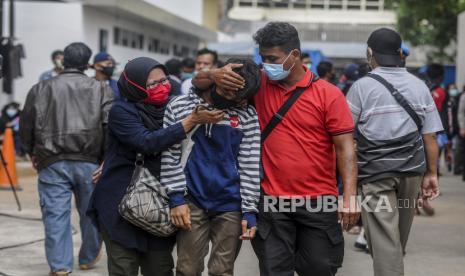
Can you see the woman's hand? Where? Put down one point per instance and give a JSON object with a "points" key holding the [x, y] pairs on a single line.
{"points": [[97, 174], [201, 115]]}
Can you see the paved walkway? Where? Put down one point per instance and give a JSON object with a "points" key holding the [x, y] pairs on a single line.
{"points": [[436, 246]]}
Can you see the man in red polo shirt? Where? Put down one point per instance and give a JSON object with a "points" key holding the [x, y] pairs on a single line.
{"points": [[299, 159]]}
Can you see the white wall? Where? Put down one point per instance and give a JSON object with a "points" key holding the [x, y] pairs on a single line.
{"points": [[94, 20], [42, 28], [460, 61], [188, 9]]}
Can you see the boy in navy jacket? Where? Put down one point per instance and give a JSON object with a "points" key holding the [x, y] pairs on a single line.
{"points": [[221, 176]]}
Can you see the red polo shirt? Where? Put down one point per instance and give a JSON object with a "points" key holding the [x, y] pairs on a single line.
{"points": [[298, 156]]}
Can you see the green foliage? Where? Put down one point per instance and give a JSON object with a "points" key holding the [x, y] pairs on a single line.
{"points": [[428, 22]]}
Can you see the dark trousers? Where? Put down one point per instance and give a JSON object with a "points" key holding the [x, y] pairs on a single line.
{"points": [[309, 243], [126, 262]]}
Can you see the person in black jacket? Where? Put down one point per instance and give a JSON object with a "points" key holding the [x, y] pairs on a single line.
{"points": [[62, 129], [135, 126]]}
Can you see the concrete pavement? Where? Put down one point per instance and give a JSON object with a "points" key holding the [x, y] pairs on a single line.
{"points": [[436, 246]]}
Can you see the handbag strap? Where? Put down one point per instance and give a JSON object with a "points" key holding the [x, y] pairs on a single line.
{"points": [[399, 98], [278, 116]]}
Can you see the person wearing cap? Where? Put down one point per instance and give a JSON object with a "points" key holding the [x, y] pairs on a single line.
{"points": [[104, 66], [397, 154], [404, 54], [57, 59]]}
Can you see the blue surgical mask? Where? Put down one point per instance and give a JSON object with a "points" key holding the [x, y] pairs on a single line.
{"points": [[276, 71], [453, 92], [185, 76], [11, 112]]}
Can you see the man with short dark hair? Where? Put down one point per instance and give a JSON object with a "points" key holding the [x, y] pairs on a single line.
{"points": [[188, 68], [299, 157], [174, 70], [206, 59], [57, 59], [62, 129], [396, 121], [326, 71], [306, 60], [221, 176]]}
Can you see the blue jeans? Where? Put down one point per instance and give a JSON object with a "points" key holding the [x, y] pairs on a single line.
{"points": [[57, 183]]}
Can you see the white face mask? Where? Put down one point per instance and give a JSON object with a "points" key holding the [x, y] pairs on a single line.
{"points": [[454, 92], [58, 64], [11, 112]]}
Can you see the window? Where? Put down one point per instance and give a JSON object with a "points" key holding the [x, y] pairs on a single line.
{"points": [[180, 51], [164, 48], [175, 50], [184, 51], [128, 38], [103, 40], [116, 36], [154, 45]]}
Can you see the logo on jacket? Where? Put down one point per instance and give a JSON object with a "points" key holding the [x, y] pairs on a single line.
{"points": [[234, 121]]}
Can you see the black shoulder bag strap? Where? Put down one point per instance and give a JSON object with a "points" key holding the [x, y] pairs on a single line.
{"points": [[278, 116], [399, 98]]}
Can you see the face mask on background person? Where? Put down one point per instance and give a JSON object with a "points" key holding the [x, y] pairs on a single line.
{"points": [[58, 64], [185, 76], [309, 66], [108, 71], [454, 92], [276, 71], [11, 112]]}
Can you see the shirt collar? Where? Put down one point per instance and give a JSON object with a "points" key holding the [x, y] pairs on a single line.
{"points": [[305, 81], [195, 97], [389, 69]]}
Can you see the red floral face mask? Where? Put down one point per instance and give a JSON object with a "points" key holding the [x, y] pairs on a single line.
{"points": [[157, 95]]}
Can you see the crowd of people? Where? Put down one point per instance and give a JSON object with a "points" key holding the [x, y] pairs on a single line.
{"points": [[276, 131]]}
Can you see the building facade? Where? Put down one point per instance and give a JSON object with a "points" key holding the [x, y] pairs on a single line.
{"points": [[125, 29], [338, 29]]}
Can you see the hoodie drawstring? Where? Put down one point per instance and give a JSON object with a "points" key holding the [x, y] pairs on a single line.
{"points": [[208, 130]]}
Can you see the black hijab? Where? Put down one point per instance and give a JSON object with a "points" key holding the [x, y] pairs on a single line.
{"points": [[137, 71]]}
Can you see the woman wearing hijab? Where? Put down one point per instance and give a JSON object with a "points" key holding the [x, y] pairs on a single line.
{"points": [[135, 126]]}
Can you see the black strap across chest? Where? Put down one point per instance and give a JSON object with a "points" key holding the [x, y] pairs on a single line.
{"points": [[278, 116]]}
